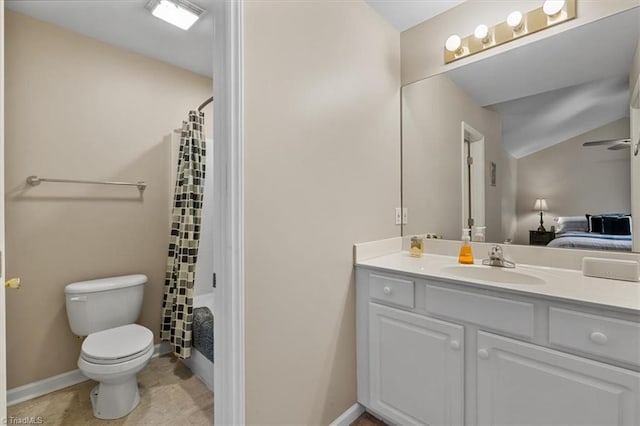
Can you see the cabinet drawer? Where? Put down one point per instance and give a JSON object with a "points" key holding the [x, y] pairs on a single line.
{"points": [[391, 290], [494, 312], [607, 337]]}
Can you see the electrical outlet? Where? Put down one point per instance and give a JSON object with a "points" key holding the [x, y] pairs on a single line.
{"points": [[405, 216], [398, 216]]}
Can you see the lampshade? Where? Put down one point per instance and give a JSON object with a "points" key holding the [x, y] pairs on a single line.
{"points": [[540, 205]]}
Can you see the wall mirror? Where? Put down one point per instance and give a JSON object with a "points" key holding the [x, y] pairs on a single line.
{"points": [[530, 146]]}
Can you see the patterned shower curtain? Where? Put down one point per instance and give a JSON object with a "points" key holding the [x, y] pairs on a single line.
{"points": [[177, 305]]}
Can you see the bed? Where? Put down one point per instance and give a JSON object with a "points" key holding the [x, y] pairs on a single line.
{"points": [[611, 231], [592, 241]]}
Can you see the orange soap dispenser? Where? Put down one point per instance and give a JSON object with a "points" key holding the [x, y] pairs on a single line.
{"points": [[466, 255]]}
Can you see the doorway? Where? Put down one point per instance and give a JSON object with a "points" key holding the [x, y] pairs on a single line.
{"points": [[473, 181]]}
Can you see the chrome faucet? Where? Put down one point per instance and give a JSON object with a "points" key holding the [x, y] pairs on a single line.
{"points": [[496, 258]]}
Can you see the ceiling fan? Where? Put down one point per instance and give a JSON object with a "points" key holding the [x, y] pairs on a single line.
{"points": [[612, 144]]}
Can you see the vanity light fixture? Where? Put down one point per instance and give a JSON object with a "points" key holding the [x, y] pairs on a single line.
{"points": [[181, 13], [482, 33], [515, 20], [518, 24], [453, 44], [553, 7]]}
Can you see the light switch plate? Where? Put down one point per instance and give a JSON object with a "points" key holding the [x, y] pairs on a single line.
{"points": [[405, 216], [398, 216]]}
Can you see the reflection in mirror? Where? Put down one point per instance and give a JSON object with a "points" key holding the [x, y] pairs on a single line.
{"points": [[530, 146]]}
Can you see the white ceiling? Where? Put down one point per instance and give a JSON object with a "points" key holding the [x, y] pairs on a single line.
{"points": [[539, 121], [404, 14], [127, 24], [559, 87]]}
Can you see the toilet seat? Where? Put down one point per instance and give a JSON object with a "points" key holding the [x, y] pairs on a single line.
{"points": [[117, 345]]}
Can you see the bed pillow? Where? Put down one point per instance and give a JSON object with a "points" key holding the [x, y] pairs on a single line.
{"points": [[571, 223], [616, 225], [594, 223]]}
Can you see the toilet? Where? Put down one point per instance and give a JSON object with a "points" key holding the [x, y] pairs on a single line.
{"points": [[115, 348]]}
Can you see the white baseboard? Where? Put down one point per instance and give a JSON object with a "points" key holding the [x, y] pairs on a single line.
{"points": [[61, 381], [349, 416], [43, 387]]}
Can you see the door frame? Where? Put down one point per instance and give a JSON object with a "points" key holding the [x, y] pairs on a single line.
{"points": [[476, 142], [3, 342], [228, 249], [634, 114]]}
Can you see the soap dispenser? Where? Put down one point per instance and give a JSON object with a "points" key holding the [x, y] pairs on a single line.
{"points": [[466, 255]]}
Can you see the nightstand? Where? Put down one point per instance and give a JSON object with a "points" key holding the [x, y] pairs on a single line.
{"points": [[540, 238]]}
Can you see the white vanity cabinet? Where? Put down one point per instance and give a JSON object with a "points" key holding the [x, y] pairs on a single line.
{"points": [[524, 384], [416, 367], [439, 352]]}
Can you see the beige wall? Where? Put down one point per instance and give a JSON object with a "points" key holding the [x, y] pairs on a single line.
{"points": [[322, 171], [423, 45], [574, 180], [78, 108], [433, 110]]}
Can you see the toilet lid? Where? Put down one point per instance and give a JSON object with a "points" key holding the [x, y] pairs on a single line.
{"points": [[117, 343]]}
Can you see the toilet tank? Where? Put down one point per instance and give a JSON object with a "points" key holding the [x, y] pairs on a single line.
{"points": [[97, 305]]}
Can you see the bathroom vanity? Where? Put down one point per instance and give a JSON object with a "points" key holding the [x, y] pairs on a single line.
{"points": [[443, 344]]}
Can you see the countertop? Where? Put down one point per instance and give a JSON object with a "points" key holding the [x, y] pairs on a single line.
{"points": [[564, 284]]}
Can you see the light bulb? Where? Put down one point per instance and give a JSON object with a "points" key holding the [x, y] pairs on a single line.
{"points": [[481, 32], [552, 7], [453, 43], [514, 20]]}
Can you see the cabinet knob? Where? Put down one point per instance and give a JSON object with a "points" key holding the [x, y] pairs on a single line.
{"points": [[386, 290], [455, 345], [598, 337], [483, 354]]}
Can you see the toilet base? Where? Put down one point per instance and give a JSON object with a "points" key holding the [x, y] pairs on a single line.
{"points": [[113, 401]]}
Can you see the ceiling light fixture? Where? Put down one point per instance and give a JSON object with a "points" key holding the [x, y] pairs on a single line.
{"points": [[553, 7], [181, 13]]}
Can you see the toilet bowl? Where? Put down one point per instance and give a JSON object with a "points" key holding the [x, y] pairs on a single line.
{"points": [[115, 348], [113, 357]]}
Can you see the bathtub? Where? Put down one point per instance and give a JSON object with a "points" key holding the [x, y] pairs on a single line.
{"points": [[198, 363]]}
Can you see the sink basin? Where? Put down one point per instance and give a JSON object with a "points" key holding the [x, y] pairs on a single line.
{"points": [[492, 274]]}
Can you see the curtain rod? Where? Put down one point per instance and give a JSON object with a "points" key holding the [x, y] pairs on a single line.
{"points": [[205, 103]]}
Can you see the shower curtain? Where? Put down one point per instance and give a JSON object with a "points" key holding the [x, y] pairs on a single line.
{"points": [[177, 305]]}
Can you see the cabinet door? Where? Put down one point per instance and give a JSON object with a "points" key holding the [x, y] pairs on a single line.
{"points": [[524, 384], [416, 368]]}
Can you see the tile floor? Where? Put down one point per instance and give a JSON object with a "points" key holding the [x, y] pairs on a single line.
{"points": [[170, 395]]}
